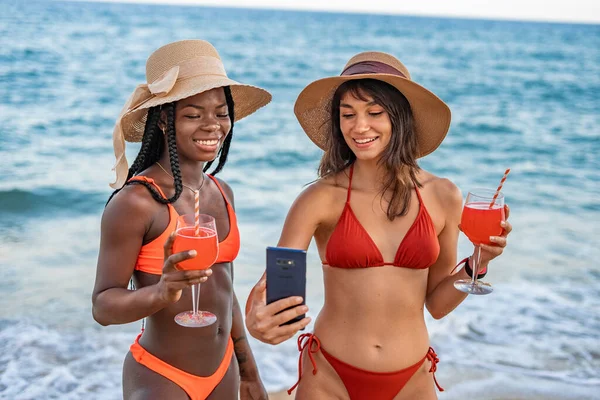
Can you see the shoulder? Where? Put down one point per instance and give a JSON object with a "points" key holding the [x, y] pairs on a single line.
{"points": [[319, 202], [324, 192], [448, 192], [226, 188], [443, 190], [132, 204]]}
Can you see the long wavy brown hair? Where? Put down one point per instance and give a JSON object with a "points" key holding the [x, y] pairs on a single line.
{"points": [[399, 157]]}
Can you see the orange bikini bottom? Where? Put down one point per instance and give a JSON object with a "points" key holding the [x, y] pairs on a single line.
{"points": [[196, 387]]}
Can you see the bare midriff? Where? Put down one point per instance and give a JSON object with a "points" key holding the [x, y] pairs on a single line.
{"points": [[182, 347], [373, 318]]}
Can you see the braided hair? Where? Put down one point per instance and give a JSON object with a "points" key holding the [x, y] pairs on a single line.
{"points": [[224, 151], [153, 146]]}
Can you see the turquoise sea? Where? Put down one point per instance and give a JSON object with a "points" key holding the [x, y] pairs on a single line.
{"points": [[523, 95]]}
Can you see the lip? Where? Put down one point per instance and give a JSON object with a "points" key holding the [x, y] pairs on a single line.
{"points": [[364, 145], [206, 147]]}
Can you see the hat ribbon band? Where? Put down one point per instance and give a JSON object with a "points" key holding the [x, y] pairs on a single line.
{"points": [[371, 67], [188, 69]]}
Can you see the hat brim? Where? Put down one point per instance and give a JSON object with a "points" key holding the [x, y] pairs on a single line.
{"points": [[247, 100], [432, 116]]}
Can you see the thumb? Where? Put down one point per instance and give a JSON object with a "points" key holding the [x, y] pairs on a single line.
{"points": [[168, 246], [255, 294], [261, 286], [259, 291]]}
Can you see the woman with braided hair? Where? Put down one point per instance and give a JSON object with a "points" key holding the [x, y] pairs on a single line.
{"points": [[184, 118]]}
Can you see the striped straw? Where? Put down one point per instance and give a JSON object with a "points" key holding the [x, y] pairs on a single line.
{"points": [[197, 212], [499, 187]]}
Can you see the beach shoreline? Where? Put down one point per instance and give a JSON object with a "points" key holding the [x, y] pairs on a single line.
{"points": [[517, 101], [281, 395]]}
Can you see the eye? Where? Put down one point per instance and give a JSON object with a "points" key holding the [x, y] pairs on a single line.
{"points": [[192, 116], [375, 113], [222, 115], [347, 116]]}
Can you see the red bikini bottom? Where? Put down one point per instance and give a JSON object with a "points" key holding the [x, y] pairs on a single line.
{"points": [[361, 384]]}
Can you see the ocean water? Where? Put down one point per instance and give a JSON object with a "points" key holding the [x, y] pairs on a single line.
{"points": [[523, 95]]}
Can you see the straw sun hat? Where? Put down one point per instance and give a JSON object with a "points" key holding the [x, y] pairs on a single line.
{"points": [[173, 72], [432, 115]]}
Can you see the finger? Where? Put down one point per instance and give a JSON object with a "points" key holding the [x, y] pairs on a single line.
{"points": [[498, 240], [506, 227], [193, 281], [287, 331], [506, 211], [177, 286], [287, 315], [280, 305], [172, 261], [291, 329], [188, 275], [184, 283], [168, 246], [197, 275], [494, 251]]}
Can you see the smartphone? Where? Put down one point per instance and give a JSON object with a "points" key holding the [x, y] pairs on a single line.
{"points": [[286, 275]]}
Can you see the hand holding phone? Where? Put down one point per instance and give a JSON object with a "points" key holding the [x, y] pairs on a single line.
{"points": [[286, 275]]}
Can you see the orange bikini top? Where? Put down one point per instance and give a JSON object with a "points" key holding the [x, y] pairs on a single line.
{"points": [[151, 256], [350, 245]]}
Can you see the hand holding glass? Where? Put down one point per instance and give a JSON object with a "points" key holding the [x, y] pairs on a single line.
{"points": [[480, 219], [203, 239]]}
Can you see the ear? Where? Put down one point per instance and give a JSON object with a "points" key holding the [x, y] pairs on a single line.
{"points": [[162, 121]]}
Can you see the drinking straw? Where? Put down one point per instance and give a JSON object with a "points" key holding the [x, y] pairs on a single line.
{"points": [[197, 212], [499, 187]]}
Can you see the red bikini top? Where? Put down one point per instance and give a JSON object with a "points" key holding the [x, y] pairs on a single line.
{"points": [[151, 256], [350, 245]]}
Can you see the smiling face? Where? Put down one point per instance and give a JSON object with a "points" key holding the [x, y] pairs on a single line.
{"points": [[202, 123], [371, 120], [365, 124]]}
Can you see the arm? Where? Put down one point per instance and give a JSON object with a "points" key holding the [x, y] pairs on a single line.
{"points": [[303, 219], [243, 353], [442, 297], [251, 386], [124, 223]]}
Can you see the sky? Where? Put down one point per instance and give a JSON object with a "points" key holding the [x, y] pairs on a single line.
{"points": [[584, 11]]}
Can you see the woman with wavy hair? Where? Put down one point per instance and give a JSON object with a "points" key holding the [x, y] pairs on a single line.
{"points": [[386, 232]]}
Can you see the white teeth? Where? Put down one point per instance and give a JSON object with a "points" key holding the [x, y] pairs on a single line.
{"points": [[207, 142], [363, 141]]}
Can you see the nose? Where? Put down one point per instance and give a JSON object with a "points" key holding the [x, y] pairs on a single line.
{"points": [[212, 127], [362, 125], [211, 124]]}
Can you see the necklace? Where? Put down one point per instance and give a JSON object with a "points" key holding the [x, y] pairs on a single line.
{"points": [[192, 189]]}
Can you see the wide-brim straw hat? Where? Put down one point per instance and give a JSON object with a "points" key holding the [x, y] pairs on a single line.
{"points": [[173, 72], [431, 115]]}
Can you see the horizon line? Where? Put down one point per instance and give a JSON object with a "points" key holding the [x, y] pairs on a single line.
{"points": [[183, 3]]}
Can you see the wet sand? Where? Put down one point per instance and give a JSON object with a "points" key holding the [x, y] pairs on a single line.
{"points": [[282, 395]]}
